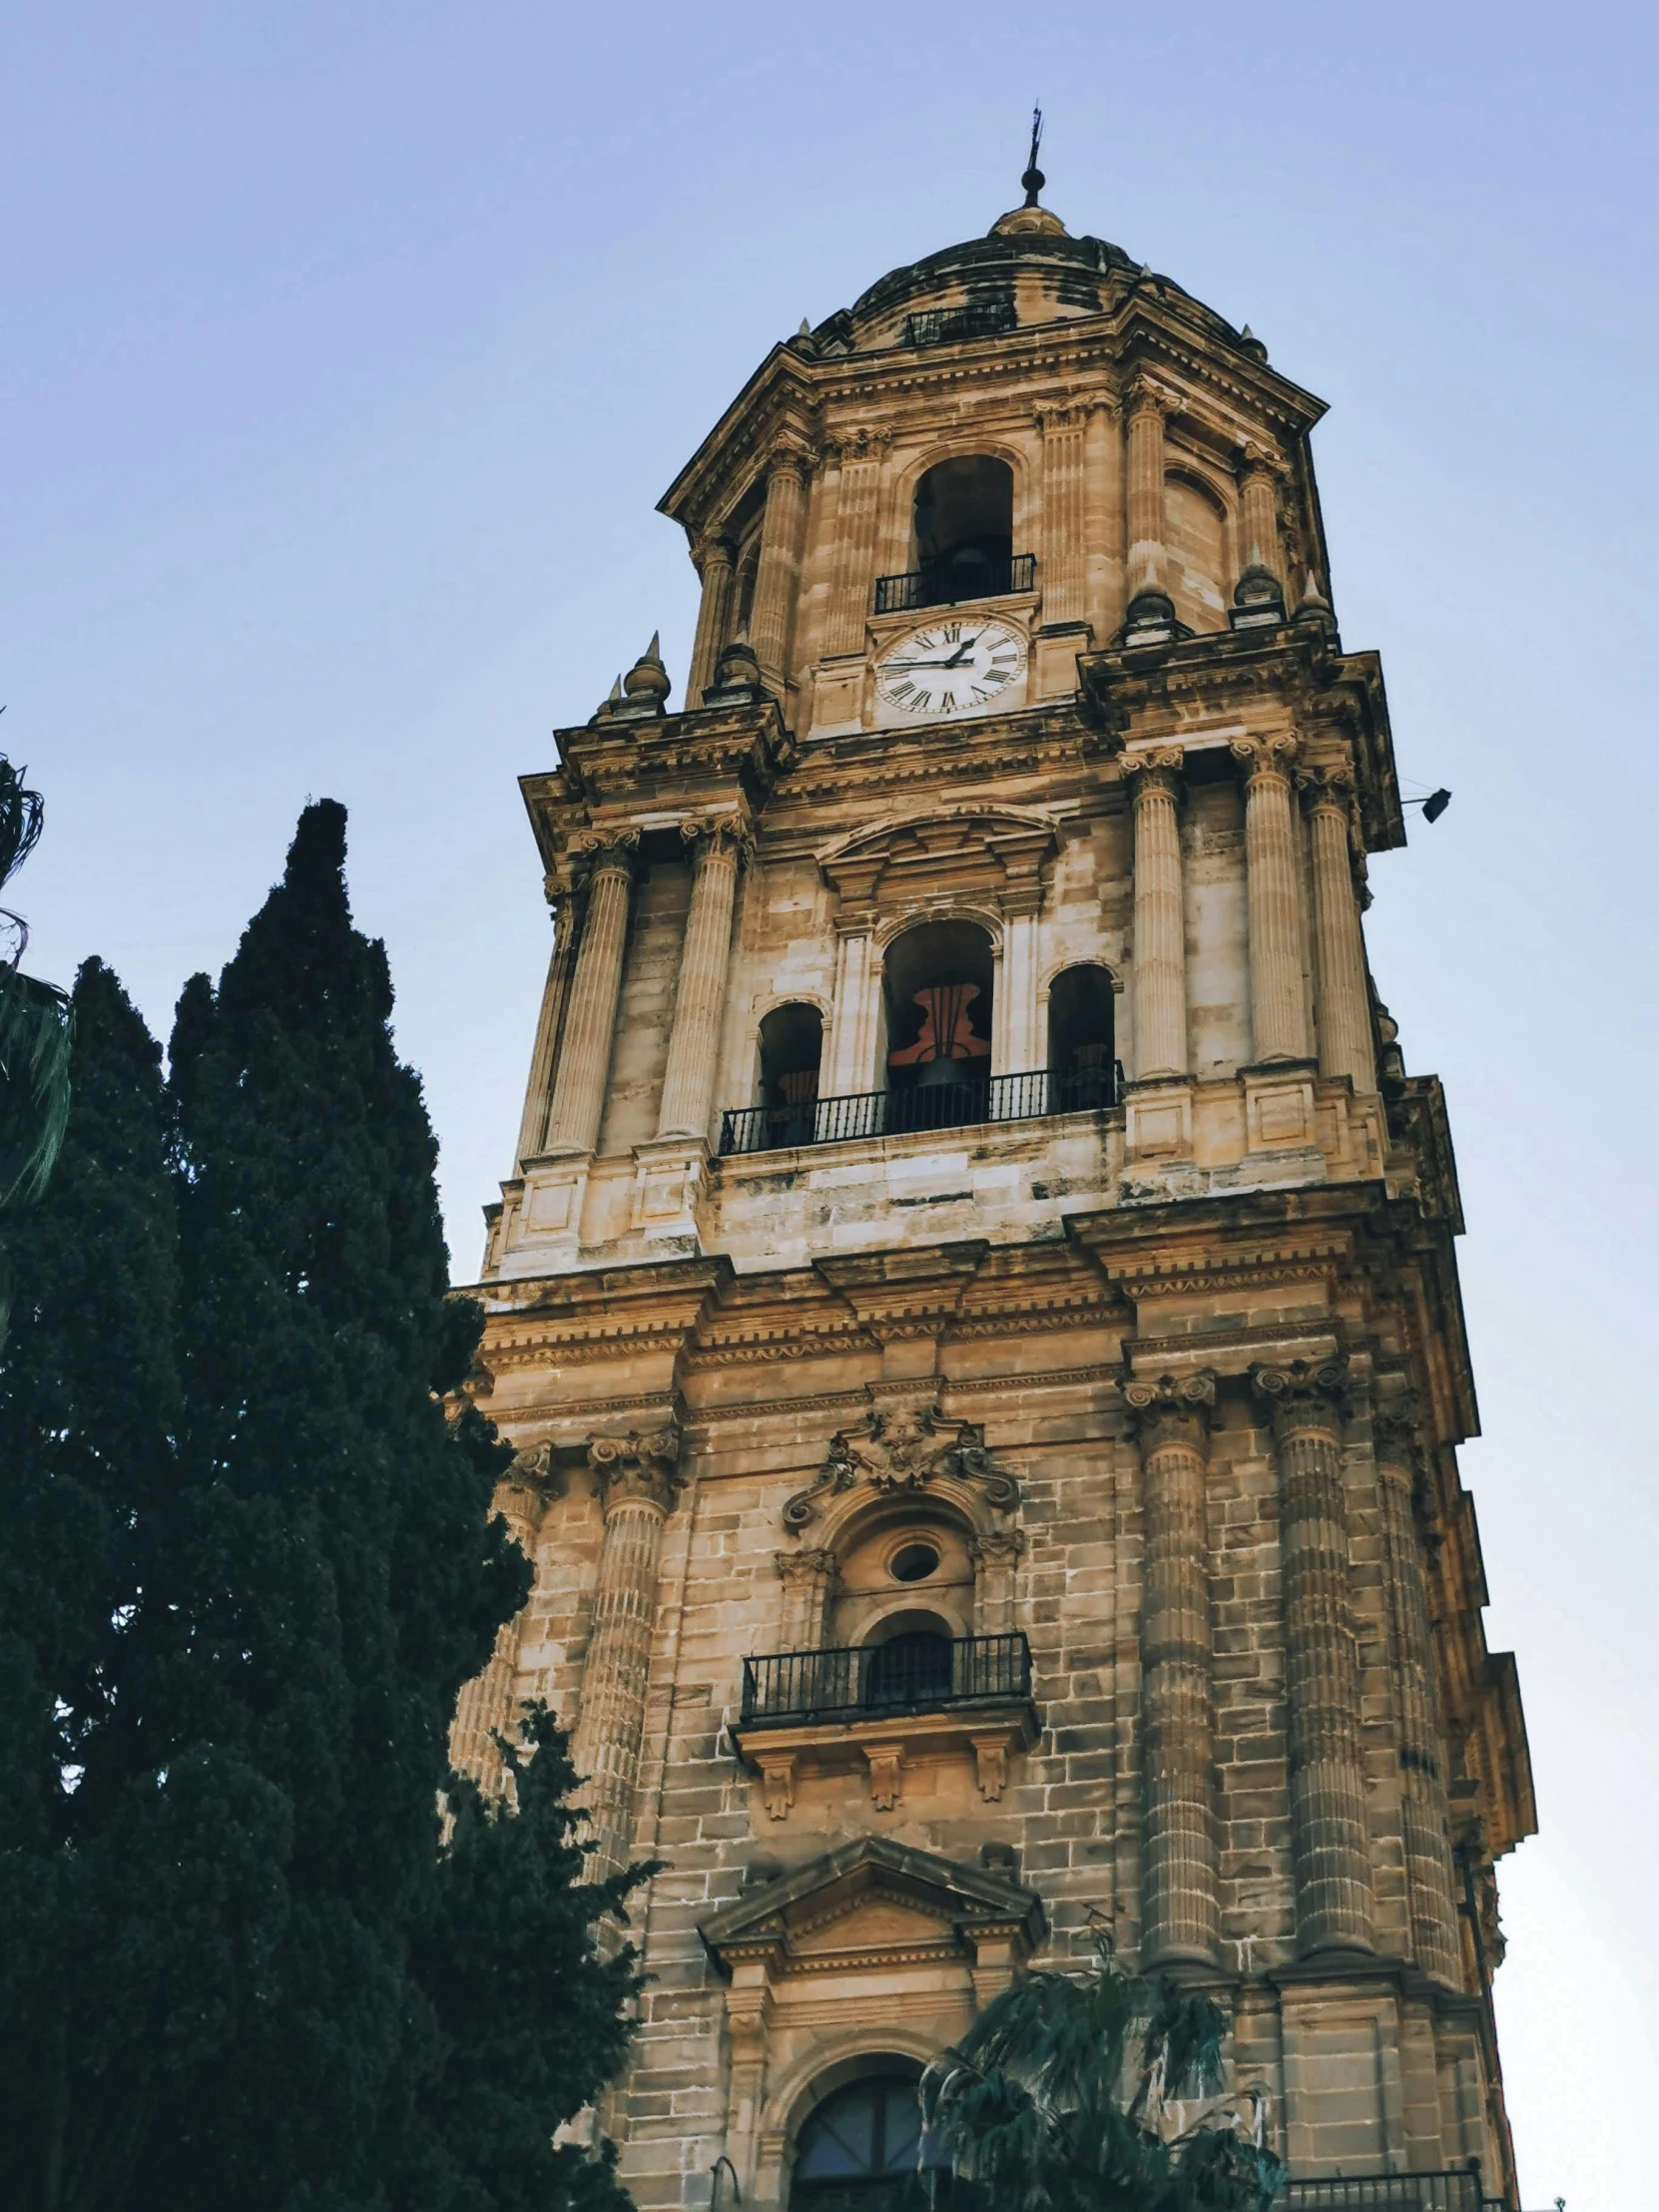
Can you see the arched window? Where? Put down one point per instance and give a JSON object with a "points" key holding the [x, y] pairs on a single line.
{"points": [[964, 529], [938, 990], [864, 2150], [1081, 1065], [791, 1050]]}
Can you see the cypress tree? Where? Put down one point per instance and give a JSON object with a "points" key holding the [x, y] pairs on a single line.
{"points": [[249, 1564], [135, 1869]]}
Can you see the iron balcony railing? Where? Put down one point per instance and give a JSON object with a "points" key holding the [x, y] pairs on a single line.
{"points": [[912, 1674], [927, 1106], [1455, 2191], [948, 583], [979, 319]]}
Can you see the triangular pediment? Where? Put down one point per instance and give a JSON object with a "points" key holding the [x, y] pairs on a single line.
{"points": [[872, 1895]]}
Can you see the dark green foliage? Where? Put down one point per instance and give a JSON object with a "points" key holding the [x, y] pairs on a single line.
{"points": [[245, 1565], [34, 1030], [1055, 2101]]}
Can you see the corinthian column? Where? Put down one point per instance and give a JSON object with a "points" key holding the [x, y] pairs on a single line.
{"points": [[1275, 1001], [1144, 467], [638, 1483], [1329, 1838], [590, 1025], [1160, 922], [1423, 1806], [712, 557], [1179, 1897], [532, 1128], [1259, 522], [485, 1708], [777, 579], [700, 997], [1341, 1006]]}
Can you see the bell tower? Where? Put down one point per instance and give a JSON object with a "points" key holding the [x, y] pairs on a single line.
{"points": [[977, 1298]]}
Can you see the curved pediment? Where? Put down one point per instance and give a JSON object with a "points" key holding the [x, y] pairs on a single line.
{"points": [[993, 854]]}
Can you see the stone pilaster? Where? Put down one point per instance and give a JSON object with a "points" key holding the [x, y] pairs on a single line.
{"points": [[1424, 1796], [712, 557], [997, 1554], [1342, 1004], [850, 1054], [1144, 412], [1330, 1845], [1276, 993], [487, 1706], [1065, 542], [638, 1480], [778, 580], [857, 509], [1160, 922], [700, 995], [590, 1023], [1180, 1913], [809, 1579], [538, 1091]]}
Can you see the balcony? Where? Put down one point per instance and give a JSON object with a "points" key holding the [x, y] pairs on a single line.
{"points": [[948, 583], [927, 1106], [979, 319], [1455, 2191], [883, 1707]]}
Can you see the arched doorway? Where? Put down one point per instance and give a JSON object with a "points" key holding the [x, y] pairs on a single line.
{"points": [[1082, 1072], [938, 1007], [863, 2150], [791, 1048]]}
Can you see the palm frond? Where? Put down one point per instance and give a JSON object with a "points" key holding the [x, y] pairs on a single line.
{"points": [[22, 814], [36, 1034]]}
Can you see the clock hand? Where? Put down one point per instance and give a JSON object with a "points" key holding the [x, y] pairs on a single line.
{"points": [[966, 646], [920, 664]]}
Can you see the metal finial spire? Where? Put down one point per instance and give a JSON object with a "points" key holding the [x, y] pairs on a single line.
{"points": [[1034, 180]]}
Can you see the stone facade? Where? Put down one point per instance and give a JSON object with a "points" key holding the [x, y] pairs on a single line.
{"points": [[1096, 1353]]}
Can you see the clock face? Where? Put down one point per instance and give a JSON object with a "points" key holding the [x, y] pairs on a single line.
{"points": [[958, 666]]}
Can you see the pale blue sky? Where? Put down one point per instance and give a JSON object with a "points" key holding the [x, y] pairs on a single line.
{"points": [[350, 347]]}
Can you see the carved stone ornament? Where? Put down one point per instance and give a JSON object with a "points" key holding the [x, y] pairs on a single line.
{"points": [[902, 1448], [997, 1547], [1305, 1393], [644, 1468], [799, 1570], [1170, 1405]]}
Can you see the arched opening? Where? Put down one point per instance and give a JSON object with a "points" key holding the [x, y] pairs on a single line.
{"points": [[745, 574], [864, 2150], [909, 1663], [938, 1007], [964, 529], [792, 1053], [1082, 1069]]}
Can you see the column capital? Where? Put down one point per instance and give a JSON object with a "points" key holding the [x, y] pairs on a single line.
{"points": [[637, 1469], [1171, 1408], [710, 546], [594, 850], [1251, 459], [1062, 414], [791, 456], [858, 446], [1144, 395], [719, 833], [997, 1547], [1393, 1427], [1304, 1393], [1157, 770], [1270, 756], [799, 1570], [1331, 787]]}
